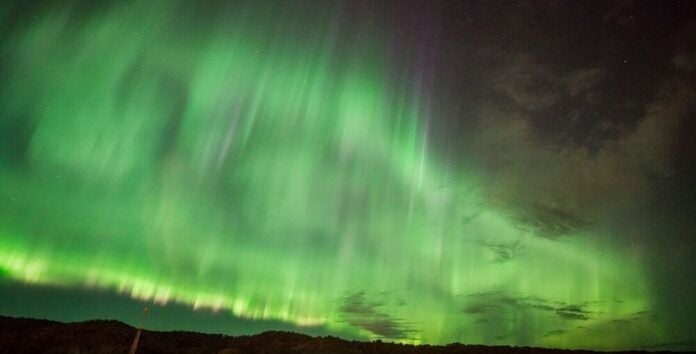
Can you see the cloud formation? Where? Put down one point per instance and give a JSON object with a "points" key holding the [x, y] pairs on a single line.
{"points": [[495, 304], [556, 187], [358, 311]]}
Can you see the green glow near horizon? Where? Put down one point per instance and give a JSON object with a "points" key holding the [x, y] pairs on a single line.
{"points": [[260, 172]]}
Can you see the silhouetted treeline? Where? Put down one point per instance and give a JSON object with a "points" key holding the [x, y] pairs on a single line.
{"points": [[21, 335]]}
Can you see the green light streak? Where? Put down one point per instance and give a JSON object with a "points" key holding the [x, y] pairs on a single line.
{"points": [[260, 172]]}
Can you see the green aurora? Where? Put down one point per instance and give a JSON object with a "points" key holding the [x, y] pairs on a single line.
{"points": [[250, 165]]}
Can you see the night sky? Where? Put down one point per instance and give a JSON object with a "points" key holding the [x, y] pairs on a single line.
{"points": [[517, 173]]}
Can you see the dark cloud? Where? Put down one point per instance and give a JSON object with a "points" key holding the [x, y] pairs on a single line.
{"points": [[551, 221], [498, 303], [580, 81], [481, 308], [560, 187], [564, 133], [542, 307], [555, 332], [358, 311], [480, 294], [573, 312], [529, 84], [503, 252]]}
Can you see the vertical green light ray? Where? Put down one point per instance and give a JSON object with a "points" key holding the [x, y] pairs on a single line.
{"points": [[251, 168]]}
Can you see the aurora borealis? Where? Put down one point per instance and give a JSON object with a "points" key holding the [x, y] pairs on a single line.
{"points": [[365, 169]]}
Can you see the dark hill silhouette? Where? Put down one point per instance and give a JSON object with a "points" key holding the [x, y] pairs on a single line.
{"points": [[22, 335]]}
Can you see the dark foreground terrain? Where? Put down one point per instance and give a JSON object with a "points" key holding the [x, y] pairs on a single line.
{"points": [[21, 335]]}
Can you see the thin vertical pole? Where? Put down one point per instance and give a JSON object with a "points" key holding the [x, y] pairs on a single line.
{"points": [[134, 346]]}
